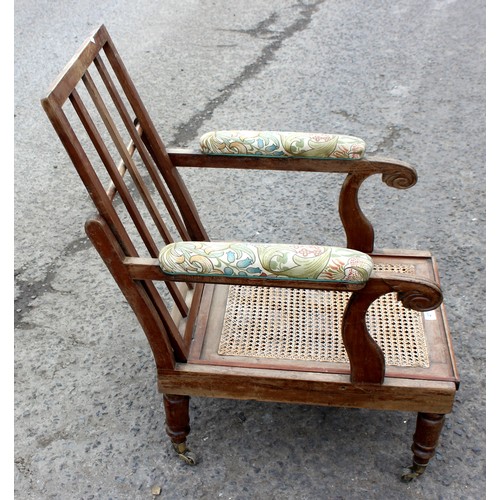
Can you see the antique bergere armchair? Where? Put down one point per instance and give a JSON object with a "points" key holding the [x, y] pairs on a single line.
{"points": [[310, 324]]}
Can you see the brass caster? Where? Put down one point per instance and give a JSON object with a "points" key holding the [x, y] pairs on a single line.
{"points": [[412, 473], [188, 457], [185, 454]]}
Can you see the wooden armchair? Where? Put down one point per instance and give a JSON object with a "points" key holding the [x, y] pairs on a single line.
{"points": [[288, 323]]}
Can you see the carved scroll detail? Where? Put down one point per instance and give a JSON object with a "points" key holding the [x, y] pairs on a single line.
{"points": [[359, 231], [417, 296], [400, 178]]}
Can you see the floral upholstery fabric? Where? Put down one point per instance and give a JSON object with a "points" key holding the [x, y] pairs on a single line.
{"points": [[254, 260], [295, 144]]}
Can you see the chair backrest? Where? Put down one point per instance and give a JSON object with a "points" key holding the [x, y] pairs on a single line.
{"points": [[107, 132], [110, 98]]}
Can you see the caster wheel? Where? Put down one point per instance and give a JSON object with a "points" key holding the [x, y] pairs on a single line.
{"points": [[412, 473], [184, 453], [188, 457]]}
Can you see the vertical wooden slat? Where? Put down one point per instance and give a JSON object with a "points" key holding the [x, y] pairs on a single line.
{"points": [[146, 157], [113, 172], [122, 188], [122, 169], [134, 213], [157, 148], [86, 172], [127, 159]]}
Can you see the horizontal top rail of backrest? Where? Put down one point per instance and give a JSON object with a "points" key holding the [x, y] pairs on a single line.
{"points": [[73, 72]]}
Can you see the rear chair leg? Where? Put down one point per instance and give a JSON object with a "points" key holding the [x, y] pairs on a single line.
{"points": [[425, 441], [177, 425]]}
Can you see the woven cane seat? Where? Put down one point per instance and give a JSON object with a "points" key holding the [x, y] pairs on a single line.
{"points": [[316, 335], [306, 325], [300, 329]]}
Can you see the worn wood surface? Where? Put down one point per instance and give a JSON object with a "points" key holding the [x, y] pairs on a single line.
{"points": [[307, 388]]}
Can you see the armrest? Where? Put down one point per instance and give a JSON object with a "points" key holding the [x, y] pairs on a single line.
{"points": [[281, 144], [290, 151], [261, 260]]}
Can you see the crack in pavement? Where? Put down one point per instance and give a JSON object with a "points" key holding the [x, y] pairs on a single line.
{"points": [[262, 29], [188, 131], [394, 133], [32, 289]]}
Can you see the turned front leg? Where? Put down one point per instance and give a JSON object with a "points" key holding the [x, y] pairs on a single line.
{"points": [[177, 425], [425, 441]]}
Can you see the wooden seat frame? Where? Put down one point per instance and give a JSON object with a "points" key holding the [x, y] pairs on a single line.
{"points": [[177, 327]]}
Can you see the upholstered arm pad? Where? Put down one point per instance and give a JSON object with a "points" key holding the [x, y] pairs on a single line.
{"points": [[294, 144], [254, 260]]}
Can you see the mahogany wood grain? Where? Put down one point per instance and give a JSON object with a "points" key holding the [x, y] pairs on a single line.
{"points": [[426, 437], [358, 229], [306, 388], [177, 413]]}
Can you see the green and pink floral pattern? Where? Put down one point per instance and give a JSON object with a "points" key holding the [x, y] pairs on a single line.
{"points": [[253, 260], [295, 144]]}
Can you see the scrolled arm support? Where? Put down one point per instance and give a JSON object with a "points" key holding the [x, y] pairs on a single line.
{"points": [[365, 356], [359, 231]]}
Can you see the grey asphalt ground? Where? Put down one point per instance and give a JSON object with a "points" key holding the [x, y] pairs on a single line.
{"points": [[408, 77]]}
